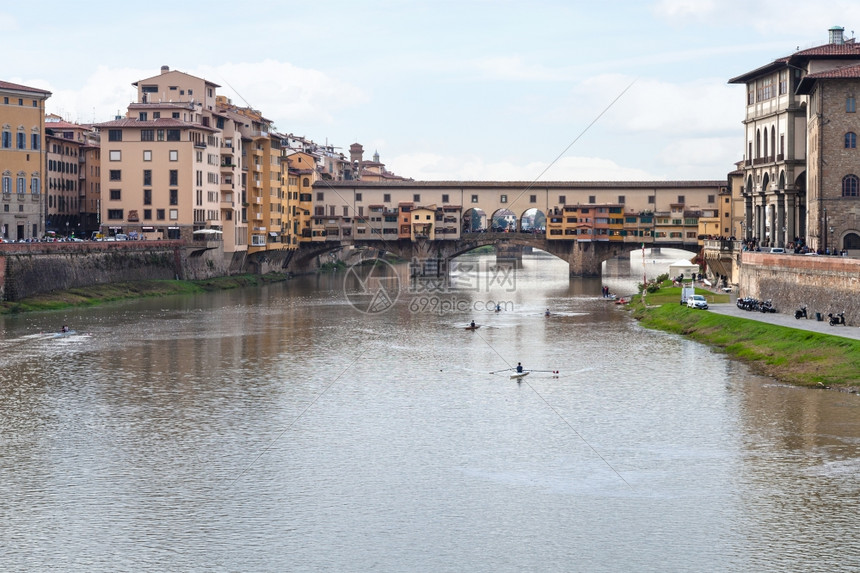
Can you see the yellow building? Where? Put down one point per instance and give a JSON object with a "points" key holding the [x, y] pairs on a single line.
{"points": [[22, 161]]}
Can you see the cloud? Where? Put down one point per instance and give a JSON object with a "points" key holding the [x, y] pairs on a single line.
{"points": [[435, 167], [659, 107], [283, 92]]}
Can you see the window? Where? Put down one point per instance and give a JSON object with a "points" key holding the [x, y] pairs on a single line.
{"points": [[850, 104], [147, 155], [681, 199], [320, 196], [416, 197], [7, 139], [147, 197], [850, 186], [22, 140], [445, 198], [115, 195], [562, 200], [156, 115], [850, 140], [174, 196], [503, 199], [115, 214], [116, 175], [159, 135], [115, 155], [532, 198], [174, 177], [592, 199], [652, 199], [34, 143], [174, 155], [172, 135], [114, 135], [7, 184], [147, 214], [143, 116], [159, 214], [174, 214], [35, 186], [711, 198], [147, 135], [358, 196], [147, 176], [622, 199], [474, 198], [783, 82]]}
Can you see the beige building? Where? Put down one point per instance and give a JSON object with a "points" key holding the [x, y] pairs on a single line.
{"points": [[162, 164], [22, 161], [800, 166]]}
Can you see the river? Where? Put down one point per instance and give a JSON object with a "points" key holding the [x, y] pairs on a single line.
{"points": [[303, 427]]}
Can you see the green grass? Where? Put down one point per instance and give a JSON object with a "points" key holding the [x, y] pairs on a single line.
{"points": [[790, 355], [98, 294]]}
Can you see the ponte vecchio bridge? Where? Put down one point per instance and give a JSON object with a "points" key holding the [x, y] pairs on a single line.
{"points": [[583, 223]]}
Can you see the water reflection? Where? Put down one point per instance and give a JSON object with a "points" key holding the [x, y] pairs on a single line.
{"points": [[280, 428]]}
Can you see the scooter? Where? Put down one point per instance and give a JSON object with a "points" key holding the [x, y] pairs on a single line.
{"points": [[798, 314], [839, 318]]}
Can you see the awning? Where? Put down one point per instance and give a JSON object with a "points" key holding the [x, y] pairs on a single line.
{"points": [[273, 234], [207, 232]]}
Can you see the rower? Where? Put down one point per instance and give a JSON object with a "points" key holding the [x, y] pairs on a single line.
{"points": [[519, 368], [472, 325], [546, 313]]}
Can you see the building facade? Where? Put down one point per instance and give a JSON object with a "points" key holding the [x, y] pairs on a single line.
{"points": [[22, 161], [799, 169]]}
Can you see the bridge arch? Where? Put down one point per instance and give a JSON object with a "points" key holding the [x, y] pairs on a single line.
{"points": [[504, 219]]}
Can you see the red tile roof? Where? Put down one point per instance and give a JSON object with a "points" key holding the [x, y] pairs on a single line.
{"points": [[843, 72], [19, 87], [153, 123]]}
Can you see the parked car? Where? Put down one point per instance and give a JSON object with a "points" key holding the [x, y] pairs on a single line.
{"points": [[697, 301]]}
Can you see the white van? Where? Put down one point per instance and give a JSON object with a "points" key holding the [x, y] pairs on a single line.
{"points": [[687, 293]]}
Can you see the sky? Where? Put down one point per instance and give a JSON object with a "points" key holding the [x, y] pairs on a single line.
{"points": [[471, 90]]}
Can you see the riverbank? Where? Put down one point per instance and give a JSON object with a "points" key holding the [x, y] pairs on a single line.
{"points": [[790, 355], [98, 294]]}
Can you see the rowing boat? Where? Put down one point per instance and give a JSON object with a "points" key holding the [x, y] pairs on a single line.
{"points": [[476, 327], [63, 334], [520, 375]]}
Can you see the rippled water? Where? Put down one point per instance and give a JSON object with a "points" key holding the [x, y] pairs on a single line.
{"points": [[278, 429]]}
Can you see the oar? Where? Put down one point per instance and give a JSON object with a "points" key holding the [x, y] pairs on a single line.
{"points": [[497, 371], [552, 371]]}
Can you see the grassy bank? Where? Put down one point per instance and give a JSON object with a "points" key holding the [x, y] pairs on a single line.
{"points": [[787, 354], [97, 294]]}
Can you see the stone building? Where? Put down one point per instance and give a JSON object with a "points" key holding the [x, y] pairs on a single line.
{"points": [[800, 165]]}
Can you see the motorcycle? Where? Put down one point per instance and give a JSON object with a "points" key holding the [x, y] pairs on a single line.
{"points": [[798, 314], [767, 306], [838, 318]]}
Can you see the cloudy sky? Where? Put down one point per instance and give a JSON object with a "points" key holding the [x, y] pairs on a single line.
{"points": [[458, 90]]}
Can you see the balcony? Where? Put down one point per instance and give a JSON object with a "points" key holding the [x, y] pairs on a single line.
{"points": [[200, 144]]}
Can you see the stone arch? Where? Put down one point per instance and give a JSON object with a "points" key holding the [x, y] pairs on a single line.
{"points": [[474, 220], [851, 241], [504, 219], [533, 220]]}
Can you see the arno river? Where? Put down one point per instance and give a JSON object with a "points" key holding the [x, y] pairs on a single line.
{"points": [[281, 429]]}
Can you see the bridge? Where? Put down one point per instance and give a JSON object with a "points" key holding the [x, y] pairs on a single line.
{"points": [[584, 258]]}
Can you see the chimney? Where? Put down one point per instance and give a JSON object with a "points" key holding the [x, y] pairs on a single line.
{"points": [[836, 35], [165, 69]]}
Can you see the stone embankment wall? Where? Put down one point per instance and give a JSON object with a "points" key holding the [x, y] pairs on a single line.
{"points": [[820, 283], [27, 269]]}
